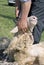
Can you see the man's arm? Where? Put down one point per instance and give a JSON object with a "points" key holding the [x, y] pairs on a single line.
{"points": [[25, 8]]}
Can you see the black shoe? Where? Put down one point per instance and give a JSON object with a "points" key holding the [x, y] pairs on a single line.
{"points": [[35, 43]]}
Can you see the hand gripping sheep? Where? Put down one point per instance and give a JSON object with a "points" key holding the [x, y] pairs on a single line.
{"points": [[32, 21], [21, 48]]}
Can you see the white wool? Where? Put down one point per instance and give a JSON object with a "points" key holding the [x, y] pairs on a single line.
{"points": [[14, 30], [36, 50]]}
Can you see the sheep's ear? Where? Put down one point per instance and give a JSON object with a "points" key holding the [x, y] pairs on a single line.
{"points": [[32, 21], [14, 30]]}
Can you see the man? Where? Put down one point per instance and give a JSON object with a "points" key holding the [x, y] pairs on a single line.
{"points": [[37, 9]]}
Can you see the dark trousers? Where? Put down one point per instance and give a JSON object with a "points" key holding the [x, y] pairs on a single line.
{"points": [[38, 31], [39, 12]]}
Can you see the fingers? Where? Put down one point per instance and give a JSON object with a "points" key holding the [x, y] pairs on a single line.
{"points": [[22, 26], [24, 30]]}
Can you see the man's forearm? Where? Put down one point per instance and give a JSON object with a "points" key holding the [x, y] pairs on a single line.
{"points": [[25, 10]]}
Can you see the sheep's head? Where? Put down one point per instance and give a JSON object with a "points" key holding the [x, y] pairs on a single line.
{"points": [[32, 21]]}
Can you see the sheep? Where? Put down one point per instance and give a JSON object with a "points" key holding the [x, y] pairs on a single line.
{"points": [[21, 39], [21, 48]]}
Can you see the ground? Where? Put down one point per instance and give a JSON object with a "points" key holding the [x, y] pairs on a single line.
{"points": [[7, 16]]}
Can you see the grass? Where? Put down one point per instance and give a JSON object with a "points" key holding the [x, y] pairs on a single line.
{"points": [[42, 37], [7, 15]]}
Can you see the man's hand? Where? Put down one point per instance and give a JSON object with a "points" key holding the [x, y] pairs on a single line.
{"points": [[22, 25], [25, 8]]}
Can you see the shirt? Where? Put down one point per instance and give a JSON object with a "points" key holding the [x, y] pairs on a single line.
{"points": [[24, 0]]}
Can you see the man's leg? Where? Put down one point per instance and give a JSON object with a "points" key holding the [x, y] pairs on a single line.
{"points": [[39, 13], [37, 32]]}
